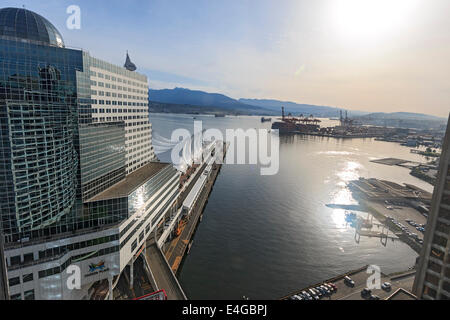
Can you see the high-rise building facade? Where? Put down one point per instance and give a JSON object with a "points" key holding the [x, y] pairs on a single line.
{"points": [[433, 273], [4, 292], [79, 181]]}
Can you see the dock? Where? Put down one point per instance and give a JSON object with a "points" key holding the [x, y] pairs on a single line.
{"points": [[164, 252], [336, 136], [384, 199], [178, 248], [397, 162]]}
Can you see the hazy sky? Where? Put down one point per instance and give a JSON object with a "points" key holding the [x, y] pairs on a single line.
{"points": [[373, 55]]}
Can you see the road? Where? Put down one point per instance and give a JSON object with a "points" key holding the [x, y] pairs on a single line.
{"points": [[164, 277]]}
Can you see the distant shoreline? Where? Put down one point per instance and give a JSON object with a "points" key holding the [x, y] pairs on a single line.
{"points": [[159, 107]]}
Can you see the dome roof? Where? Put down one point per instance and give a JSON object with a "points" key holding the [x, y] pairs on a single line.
{"points": [[22, 24]]}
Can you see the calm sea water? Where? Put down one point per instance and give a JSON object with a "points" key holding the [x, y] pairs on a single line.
{"points": [[266, 236]]}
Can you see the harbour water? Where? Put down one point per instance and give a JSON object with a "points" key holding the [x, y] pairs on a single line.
{"points": [[265, 236]]}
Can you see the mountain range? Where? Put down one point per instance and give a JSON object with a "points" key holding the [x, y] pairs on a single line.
{"points": [[296, 108], [181, 96], [401, 115], [181, 100]]}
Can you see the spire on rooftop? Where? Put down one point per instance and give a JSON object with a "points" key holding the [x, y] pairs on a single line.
{"points": [[129, 65]]}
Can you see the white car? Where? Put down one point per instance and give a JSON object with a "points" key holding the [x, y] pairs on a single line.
{"points": [[386, 286]]}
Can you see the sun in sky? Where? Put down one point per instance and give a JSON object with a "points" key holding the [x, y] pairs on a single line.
{"points": [[371, 19]]}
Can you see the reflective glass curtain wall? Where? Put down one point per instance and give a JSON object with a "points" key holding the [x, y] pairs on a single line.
{"points": [[38, 118]]}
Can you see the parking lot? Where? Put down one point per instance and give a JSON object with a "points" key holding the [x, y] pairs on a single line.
{"points": [[401, 214], [346, 292]]}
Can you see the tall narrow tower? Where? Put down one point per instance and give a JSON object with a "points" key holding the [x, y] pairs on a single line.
{"points": [[433, 274]]}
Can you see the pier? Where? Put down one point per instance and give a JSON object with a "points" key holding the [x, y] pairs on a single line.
{"points": [[165, 251], [178, 247], [386, 199]]}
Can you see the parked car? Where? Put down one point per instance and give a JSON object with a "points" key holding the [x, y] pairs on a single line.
{"points": [[348, 281], [366, 292], [333, 286], [386, 286], [306, 295], [325, 290], [313, 294], [329, 287], [374, 297], [318, 292]]}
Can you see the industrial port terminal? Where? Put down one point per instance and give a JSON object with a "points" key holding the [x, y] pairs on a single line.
{"points": [[351, 128], [309, 125]]}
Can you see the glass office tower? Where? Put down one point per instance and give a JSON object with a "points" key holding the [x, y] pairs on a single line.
{"points": [[38, 120], [64, 135], [79, 181]]}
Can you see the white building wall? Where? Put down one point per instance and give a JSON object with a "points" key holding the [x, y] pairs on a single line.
{"points": [[117, 97]]}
